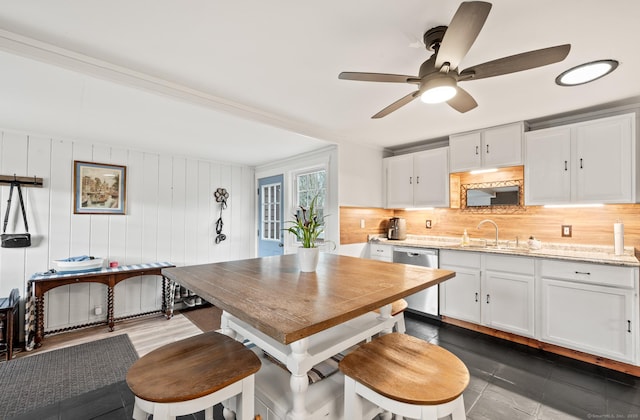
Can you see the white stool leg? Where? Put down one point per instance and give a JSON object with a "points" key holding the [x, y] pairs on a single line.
{"points": [[429, 412], [139, 413], [245, 400], [161, 412], [208, 413], [352, 401], [458, 409]]}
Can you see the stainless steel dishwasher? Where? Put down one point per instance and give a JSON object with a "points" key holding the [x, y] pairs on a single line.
{"points": [[426, 301]]}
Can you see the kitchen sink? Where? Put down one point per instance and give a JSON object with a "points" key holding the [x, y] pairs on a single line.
{"points": [[502, 248]]}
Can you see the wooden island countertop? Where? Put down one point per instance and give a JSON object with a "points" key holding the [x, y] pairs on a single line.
{"points": [[273, 296]]}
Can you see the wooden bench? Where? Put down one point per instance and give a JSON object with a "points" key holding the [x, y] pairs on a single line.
{"points": [[406, 376], [192, 375]]}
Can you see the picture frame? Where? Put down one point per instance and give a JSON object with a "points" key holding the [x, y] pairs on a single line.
{"points": [[99, 188]]}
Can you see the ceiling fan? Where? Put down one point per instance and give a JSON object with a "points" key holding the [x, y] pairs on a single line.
{"points": [[438, 76]]}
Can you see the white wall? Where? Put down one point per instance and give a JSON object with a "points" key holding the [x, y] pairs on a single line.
{"points": [[171, 215], [360, 171]]}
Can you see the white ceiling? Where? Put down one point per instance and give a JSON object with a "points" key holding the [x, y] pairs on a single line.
{"points": [[276, 64]]}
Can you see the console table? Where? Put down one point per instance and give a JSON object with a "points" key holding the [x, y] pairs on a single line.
{"points": [[41, 283]]}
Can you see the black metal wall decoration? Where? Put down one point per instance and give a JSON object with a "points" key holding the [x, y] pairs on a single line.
{"points": [[221, 196]]}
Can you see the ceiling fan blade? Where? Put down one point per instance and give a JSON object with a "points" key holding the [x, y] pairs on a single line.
{"points": [[463, 101], [397, 104], [518, 62], [462, 32], [378, 77]]}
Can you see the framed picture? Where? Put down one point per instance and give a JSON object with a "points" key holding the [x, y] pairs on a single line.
{"points": [[99, 188]]}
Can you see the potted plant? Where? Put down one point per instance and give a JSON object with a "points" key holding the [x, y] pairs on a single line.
{"points": [[307, 227]]}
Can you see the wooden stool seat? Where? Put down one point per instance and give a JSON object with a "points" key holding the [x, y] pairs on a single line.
{"points": [[405, 369], [191, 369]]}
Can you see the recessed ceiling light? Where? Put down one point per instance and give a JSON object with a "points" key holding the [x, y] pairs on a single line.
{"points": [[585, 73]]}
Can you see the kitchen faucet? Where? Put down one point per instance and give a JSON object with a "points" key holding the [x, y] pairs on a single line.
{"points": [[494, 225]]}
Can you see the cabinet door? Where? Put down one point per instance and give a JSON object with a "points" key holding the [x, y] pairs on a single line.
{"points": [[460, 296], [381, 252], [399, 171], [464, 152], [547, 176], [589, 318], [507, 302], [431, 172], [603, 161], [502, 146]]}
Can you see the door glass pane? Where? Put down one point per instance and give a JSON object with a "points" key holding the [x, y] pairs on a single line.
{"points": [[271, 212]]}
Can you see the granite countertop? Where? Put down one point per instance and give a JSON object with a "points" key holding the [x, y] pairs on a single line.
{"points": [[600, 254]]}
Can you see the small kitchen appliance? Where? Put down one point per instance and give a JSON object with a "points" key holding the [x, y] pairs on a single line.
{"points": [[397, 228]]}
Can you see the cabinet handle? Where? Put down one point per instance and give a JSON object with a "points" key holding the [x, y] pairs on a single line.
{"points": [[417, 180], [583, 272], [580, 163], [628, 326], [487, 149], [476, 296], [565, 166], [477, 150], [410, 180], [487, 297]]}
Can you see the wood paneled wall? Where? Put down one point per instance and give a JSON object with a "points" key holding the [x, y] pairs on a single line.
{"points": [[171, 215], [592, 226], [375, 223]]}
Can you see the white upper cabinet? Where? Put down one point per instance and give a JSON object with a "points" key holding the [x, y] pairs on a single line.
{"points": [[418, 179], [489, 148], [590, 162]]}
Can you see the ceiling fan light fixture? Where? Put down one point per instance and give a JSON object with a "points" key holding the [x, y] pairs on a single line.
{"points": [[438, 89], [587, 72]]}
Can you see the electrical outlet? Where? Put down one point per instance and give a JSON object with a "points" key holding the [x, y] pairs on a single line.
{"points": [[361, 223], [566, 231], [427, 224]]}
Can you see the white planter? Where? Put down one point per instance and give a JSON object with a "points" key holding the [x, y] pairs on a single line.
{"points": [[308, 259]]}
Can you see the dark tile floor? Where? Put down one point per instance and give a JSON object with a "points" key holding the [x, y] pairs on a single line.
{"points": [[508, 382]]}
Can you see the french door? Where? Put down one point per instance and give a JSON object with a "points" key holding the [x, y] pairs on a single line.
{"points": [[270, 213]]}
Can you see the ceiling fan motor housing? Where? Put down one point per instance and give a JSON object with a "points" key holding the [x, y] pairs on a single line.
{"points": [[433, 37]]}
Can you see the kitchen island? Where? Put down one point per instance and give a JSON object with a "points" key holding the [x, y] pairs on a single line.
{"points": [[301, 319]]}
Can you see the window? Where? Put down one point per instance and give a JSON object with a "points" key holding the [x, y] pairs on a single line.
{"points": [[309, 185]]}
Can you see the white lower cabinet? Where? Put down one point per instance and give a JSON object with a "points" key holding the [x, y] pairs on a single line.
{"points": [[381, 252], [590, 308], [492, 290], [508, 297], [460, 296]]}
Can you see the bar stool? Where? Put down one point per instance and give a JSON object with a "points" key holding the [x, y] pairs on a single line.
{"points": [[192, 375], [405, 376]]}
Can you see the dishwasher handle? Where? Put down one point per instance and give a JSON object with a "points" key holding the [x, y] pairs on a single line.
{"points": [[414, 252]]}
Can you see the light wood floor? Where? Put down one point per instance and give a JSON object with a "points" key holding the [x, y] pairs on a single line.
{"points": [[146, 333]]}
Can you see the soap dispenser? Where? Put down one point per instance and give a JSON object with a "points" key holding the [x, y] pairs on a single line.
{"points": [[465, 238]]}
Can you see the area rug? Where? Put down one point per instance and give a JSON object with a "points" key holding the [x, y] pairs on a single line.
{"points": [[42, 379], [207, 318]]}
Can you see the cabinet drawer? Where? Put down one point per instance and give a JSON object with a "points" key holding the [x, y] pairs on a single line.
{"points": [[606, 275], [510, 264], [459, 258], [383, 252]]}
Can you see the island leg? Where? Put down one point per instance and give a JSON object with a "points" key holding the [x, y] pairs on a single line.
{"points": [[299, 382]]}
